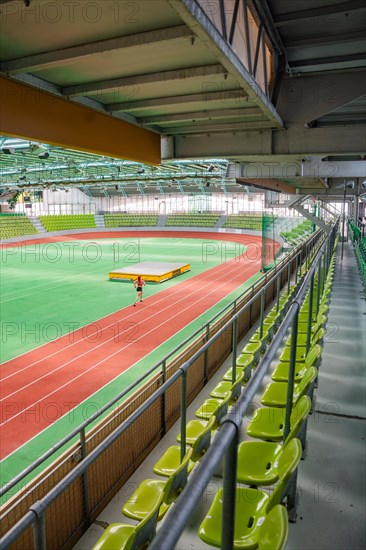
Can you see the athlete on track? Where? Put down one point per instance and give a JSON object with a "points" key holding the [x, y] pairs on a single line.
{"points": [[138, 284]]}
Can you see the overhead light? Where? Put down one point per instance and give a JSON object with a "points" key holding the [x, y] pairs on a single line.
{"points": [[37, 148], [44, 155], [210, 168], [8, 150]]}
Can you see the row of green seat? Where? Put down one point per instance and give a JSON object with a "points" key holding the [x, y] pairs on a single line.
{"points": [[11, 214], [360, 251], [274, 463], [67, 221], [16, 226], [297, 234], [363, 247], [129, 220], [245, 221], [354, 231], [271, 461], [192, 220]]}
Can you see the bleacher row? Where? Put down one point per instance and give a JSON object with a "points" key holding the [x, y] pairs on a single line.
{"points": [[292, 237], [11, 226], [129, 220], [266, 465], [15, 226], [67, 221], [359, 244], [192, 220], [245, 221]]}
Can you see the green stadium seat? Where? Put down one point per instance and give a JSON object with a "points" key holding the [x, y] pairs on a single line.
{"points": [[152, 491], [252, 506]]}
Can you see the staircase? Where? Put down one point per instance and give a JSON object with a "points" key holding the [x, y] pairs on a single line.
{"points": [[220, 222], [295, 203], [99, 221], [312, 218], [37, 224], [161, 220]]}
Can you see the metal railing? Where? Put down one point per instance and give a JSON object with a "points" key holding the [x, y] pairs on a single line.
{"points": [[225, 444], [36, 514]]}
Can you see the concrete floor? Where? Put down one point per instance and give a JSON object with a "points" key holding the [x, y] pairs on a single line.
{"points": [[332, 504], [331, 480]]}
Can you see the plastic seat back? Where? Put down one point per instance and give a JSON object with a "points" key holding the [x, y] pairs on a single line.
{"points": [[314, 354], [298, 415], [203, 442], [306, 381], [145, 530], [178, 480], [274, 530], [221, 411], [287, 464], [236, 389], [318, 337], [129, 538]]}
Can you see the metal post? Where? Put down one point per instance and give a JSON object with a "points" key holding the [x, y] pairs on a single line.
{"points": [[39, 532], [247, 35], [205, 357], [291, 497], [278, 292], [229, 494], [251, 307], [318, 288], [302, 436], [261, 318], [310, 315], [301, 261], [291, 373], [163, 400], [85, 478], [288, 277], [343, 218], [328, 256], [296, 267], [234, 345], [183, 414]]}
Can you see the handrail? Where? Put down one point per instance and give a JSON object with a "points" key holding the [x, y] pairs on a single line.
{"points": [[233, 304], [178, 516], [39, 507]]}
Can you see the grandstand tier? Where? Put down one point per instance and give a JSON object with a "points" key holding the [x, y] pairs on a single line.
{"points": [[15, 225]]}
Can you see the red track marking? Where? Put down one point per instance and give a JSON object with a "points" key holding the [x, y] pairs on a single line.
{"points": [[42, 385]]}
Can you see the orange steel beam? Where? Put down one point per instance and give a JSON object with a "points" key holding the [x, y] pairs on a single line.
{"points": [[35, 114], [268, 184]]}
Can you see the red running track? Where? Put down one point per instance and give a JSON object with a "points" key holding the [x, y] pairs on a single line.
{"points": [[44, 384]]}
